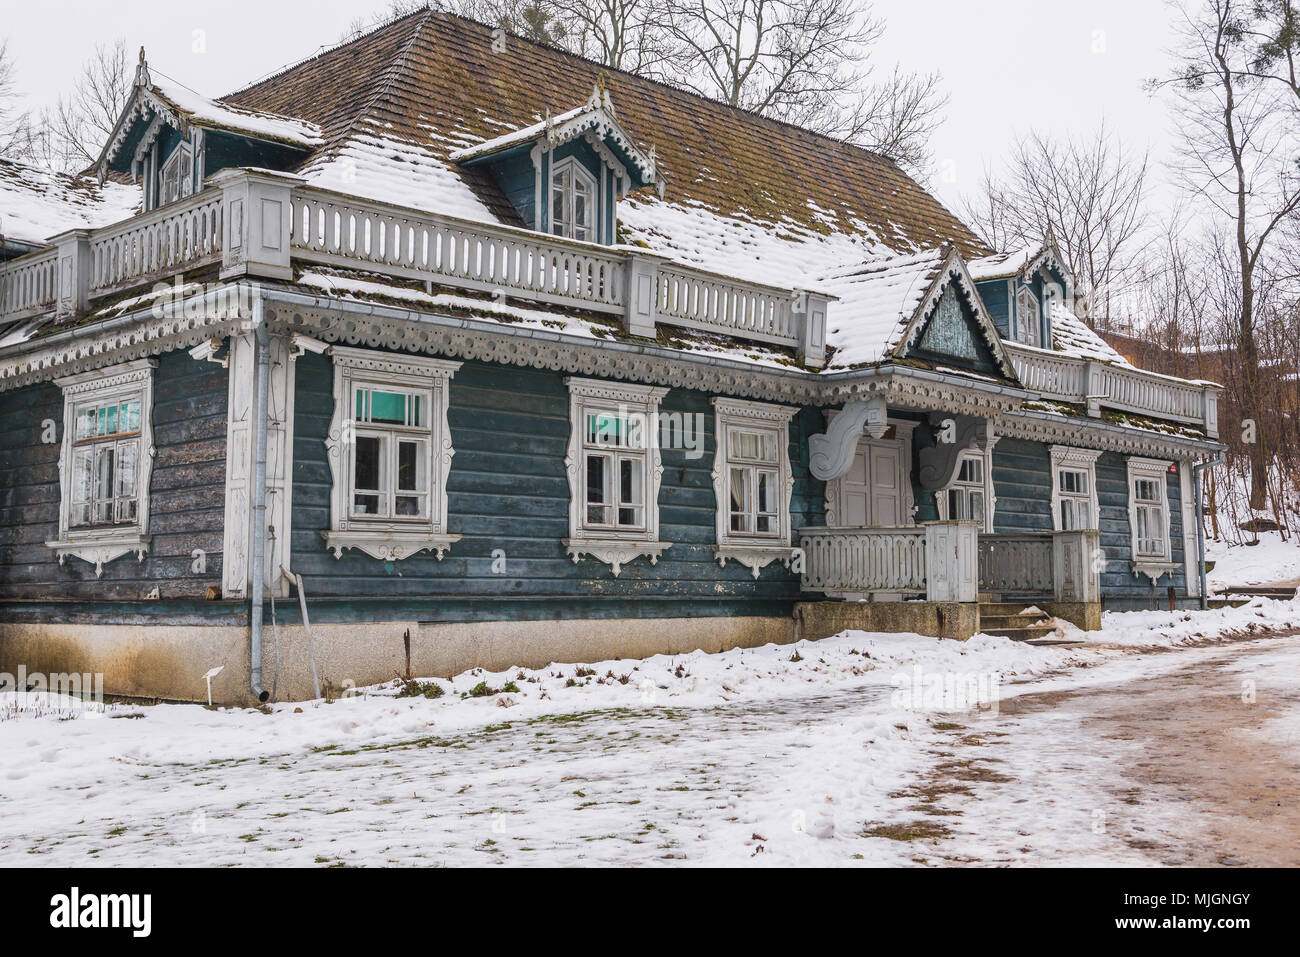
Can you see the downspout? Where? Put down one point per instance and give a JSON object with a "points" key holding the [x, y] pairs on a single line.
{"points": [[261, 404], [1197, 469]]}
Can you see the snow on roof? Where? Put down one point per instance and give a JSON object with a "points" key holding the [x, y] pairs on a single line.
{"points": [[201, 111], [877, 300], [1071, 335], [395, 171], [1000, 265], [36, 204], [517, 137]]}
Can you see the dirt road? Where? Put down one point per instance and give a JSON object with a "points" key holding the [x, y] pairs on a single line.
{"points": [[1195, 766]]}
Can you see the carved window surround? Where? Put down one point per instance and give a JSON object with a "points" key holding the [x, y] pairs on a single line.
{"points": [[985, 455], [615, 546], [101, 544], [388, 538], [1151, 564], [1066, 457], [752, 549]]}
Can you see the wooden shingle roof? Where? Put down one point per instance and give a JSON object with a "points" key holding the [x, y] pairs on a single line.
{"points": [[432, 80]]}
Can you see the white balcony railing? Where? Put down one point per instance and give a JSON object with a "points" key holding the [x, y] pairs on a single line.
{"points": [[171, 239], [1099, 385], [29, 285]]}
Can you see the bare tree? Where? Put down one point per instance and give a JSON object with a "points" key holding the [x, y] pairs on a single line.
{"points": [[1238, 158], [74, 131], [16, 134], [1090, 194], [802, 62], [622, 34]]}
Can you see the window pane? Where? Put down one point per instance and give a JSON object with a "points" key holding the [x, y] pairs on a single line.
{"points": [[85, 424], [103, 490], [126, 468], [598, 490], [366, 474], [387, 408], [740, 500], [631, 491], [976, 506], [130, 421]]}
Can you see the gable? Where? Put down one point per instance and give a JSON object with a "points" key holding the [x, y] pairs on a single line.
{"points": [[952, 335]]}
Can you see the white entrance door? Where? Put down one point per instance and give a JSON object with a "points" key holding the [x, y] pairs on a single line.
{"points": [[871, 490]]}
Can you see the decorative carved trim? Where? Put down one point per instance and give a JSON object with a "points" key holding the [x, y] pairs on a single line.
{"points": [[755, 557], [751, 550], [615, 548], [615, 554], [1084, 460], [388, 545], [99, 545], [830, 453], [1156, 470], [101, 549], [1153, 570]]}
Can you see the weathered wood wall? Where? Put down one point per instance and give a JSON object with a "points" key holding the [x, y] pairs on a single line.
{"points": [[508, 490], [1022, 479], [187, 498]]}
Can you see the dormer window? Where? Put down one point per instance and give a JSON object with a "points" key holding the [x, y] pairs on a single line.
{"points": [[177, 176], [573, 192], [1027, 317]]}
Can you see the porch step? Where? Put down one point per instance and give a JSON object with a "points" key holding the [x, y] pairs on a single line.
{"points": [[1278, 592], [1007, 620], [1020, 634]]}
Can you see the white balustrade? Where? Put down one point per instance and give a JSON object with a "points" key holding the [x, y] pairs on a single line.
{"points": [[29, 285], [863, 560], [179, 236], [1106, 385]]}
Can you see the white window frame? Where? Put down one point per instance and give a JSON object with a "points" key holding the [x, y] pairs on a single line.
{"points": [[753, 549], [1155, 563], [389, 537], [615, 545], [1027, 326], [986, 488], [568, 225], [1068, 459], [100, 544], [184, 185]]}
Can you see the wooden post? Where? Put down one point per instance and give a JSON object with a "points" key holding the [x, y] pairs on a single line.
{"points": [[256, 214], [73, 271], [1076, 570], [811, 307], [951, 561], [641, 294]]}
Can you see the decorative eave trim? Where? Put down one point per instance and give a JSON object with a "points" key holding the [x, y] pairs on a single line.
{"points": [[141, 334], [761, 411]]}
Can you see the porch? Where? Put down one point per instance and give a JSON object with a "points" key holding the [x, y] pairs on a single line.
{"points": [[943, 577]]}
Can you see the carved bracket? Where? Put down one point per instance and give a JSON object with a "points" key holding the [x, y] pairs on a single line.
{"points": [[938, 463], [830, 453]]}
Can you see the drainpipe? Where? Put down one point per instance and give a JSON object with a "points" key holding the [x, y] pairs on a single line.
{"points": [[1197, 469], [259, 500]]}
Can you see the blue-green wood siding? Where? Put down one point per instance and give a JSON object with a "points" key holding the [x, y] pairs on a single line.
{"points": [[1022, 476], [993, 292], [187, 492], [508, 490]]}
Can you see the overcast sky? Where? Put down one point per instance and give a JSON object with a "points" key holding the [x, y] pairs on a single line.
{"points": [[1009, 65]]}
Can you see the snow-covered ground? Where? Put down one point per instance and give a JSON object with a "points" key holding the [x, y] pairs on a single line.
{"points": [[795, 754], [1271, 560]]}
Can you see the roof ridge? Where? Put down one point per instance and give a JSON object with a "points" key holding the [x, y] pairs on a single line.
{"points": [[325, 50]]}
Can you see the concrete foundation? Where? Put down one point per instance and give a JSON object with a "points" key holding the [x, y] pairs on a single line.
{"points": [[168, 662], [939, 619], [1082, 614]]}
